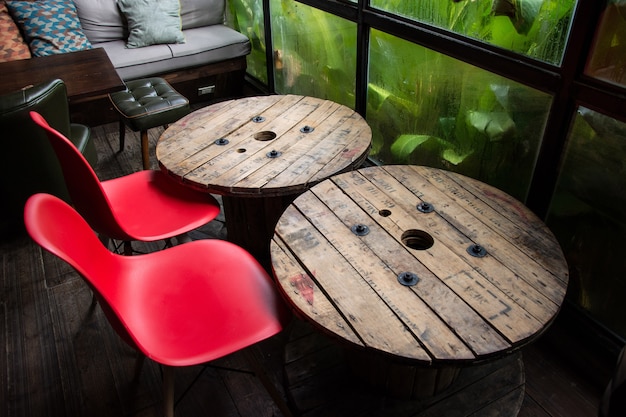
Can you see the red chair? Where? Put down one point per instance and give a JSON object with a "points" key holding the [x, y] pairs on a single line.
{"points": [[145, 206], [185, 305]]}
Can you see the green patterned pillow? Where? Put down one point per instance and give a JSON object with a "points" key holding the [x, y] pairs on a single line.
{"points": [[152, 22], [50, 27]]}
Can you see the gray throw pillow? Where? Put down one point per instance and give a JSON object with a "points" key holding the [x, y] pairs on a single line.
{"points": [[152, 22]]}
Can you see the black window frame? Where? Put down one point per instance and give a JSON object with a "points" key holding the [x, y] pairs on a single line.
{"points": [[566, 83]]}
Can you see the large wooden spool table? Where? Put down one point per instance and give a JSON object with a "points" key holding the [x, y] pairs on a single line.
{"points": [[418, 271], [259, 153]]}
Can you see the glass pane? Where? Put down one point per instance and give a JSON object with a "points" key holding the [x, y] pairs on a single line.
{"points": [[430, 109], [588, 216], [314, 52], [536, 28], [608, 55], [246, 16]]}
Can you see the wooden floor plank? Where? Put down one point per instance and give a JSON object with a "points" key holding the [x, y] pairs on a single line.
{"points": [[556, 388], [32, 371]]}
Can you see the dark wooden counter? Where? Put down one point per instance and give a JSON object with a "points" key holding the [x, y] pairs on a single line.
{"points": [[86, 74]]}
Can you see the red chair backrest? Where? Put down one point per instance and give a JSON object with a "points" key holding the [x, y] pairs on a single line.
{"points": [[86, 192], [60, 230]]}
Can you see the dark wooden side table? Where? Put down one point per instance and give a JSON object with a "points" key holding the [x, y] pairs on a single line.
{"points": [[86, 74], [420, 271], [259, 153]]}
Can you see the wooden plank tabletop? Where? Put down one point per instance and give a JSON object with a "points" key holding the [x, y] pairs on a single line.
{"points": [[87, 73], [463, 308], [271, 145]]}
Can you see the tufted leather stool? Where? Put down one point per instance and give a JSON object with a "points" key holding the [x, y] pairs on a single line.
{"points": [[145, 104]]}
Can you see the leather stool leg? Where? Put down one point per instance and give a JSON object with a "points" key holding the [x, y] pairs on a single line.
{"points": [[122, 129], [145, 151]]}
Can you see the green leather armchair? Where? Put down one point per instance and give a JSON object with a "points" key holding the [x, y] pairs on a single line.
{"points": [[28, 164]]}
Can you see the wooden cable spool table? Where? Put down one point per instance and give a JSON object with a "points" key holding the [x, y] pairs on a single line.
{"points": [[418, 271], [259, 153]]}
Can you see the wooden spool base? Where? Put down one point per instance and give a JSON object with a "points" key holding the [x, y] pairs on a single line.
{"points": [[250, 222], [319, 382], [397, 379]]}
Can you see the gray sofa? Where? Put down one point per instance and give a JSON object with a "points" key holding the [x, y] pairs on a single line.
{"points": [[210, 64]]}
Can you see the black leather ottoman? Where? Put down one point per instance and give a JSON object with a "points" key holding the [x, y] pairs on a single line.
{"points": [[147, 103]]}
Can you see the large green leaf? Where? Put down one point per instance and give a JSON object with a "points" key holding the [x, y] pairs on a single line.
{"points": [[404, 145], [495, 125], [454, 157], [522, 13]]}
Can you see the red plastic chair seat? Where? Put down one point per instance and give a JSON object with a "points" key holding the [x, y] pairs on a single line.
{"points": [[146, 206], [167, 209]]}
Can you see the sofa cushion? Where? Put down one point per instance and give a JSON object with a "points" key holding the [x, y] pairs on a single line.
{"points": [[198, 13], [101, 20], [152, 22], [205, 45], [218, 40], [12, 45], [50, 27], [121, 58]]}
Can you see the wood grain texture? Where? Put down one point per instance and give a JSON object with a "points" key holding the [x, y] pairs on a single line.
{"points": [[337, 139], [463, 309]]}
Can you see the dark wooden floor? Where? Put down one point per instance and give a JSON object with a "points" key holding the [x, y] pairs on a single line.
{"points": [[60, 358]]}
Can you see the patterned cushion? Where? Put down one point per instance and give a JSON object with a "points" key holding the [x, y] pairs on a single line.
{"points": [[12, 45], [152, 22], [50, 27]]}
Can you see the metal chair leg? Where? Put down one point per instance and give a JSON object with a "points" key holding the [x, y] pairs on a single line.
{"points": [[168, 391], [138, 366], [280, 402], [122, 129], [128, 248]]}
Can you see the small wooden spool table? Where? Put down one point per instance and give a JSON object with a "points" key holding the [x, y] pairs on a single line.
{"points": [[259, 153], [418, 270]]}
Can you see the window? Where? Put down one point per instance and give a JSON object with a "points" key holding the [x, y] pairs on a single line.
{"points": [[527, 95], [536, 28], [314, 52], [588, 215], [607, 60], [247, 17], [430, 109]]}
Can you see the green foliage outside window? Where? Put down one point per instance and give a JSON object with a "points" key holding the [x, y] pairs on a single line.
{"points": [[536, 28], [430, 109], [246, 16], [314, 52], [608, 57]]}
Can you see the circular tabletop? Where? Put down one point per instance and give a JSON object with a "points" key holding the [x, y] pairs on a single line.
{"points": [[420, 263], [264, 146]]}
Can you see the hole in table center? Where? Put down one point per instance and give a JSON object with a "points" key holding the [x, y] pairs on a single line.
{"points": [[417, 239], [265, 135], [384, 213], [241, 150]]}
